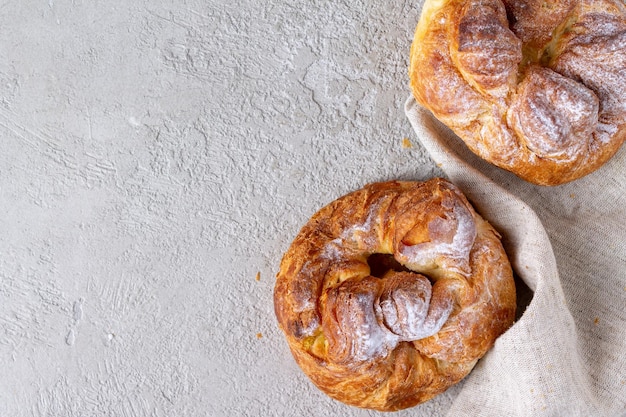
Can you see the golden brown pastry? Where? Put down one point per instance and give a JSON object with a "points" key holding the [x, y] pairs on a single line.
{"points": [[389, 295], [537, 87]]}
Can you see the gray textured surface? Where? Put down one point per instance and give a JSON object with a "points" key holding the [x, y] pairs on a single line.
{"points": [[155, 157]]}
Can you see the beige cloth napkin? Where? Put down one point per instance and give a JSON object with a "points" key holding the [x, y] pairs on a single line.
{"points": [[566, 355]]}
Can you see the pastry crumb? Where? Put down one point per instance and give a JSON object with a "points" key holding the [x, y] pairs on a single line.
{"points": [[572, 195], [258, 276], [259, 335], [406, 143], [596, 320]]}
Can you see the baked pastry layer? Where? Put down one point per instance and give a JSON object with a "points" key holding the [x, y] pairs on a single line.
{"points": [[390, 294], [535, 87]]}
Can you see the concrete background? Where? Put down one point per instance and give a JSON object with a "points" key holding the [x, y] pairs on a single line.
{"points": [[158, 157]]}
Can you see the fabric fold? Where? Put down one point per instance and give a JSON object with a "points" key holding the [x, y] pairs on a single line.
{"points": [[548, 363]]}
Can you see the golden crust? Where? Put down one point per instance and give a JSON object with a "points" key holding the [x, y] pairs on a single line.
{"points": [[390, 294], [535, 87]]}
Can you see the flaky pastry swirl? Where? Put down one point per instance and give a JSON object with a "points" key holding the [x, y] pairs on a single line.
{"points": [[535, 87], [390, 294]]}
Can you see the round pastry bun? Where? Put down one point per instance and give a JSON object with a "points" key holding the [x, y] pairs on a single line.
{"points": [[390, 295], [535, 87]]}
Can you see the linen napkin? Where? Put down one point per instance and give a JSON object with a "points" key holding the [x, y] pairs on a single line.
{"points": [[566, 354]]}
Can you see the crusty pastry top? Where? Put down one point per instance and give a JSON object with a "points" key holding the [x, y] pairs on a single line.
{"points": [[535, 87], [391, 293]]}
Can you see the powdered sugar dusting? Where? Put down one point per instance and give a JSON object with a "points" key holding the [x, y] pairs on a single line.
{"points": [[352, 237], [368, 318], [487, 52], [351, 323], [370, 340], [605, 132], [553, 115], [439, 253], [334, 250], [410, 309]]}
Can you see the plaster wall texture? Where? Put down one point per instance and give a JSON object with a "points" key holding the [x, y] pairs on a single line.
{"points": [[158, 157]]}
